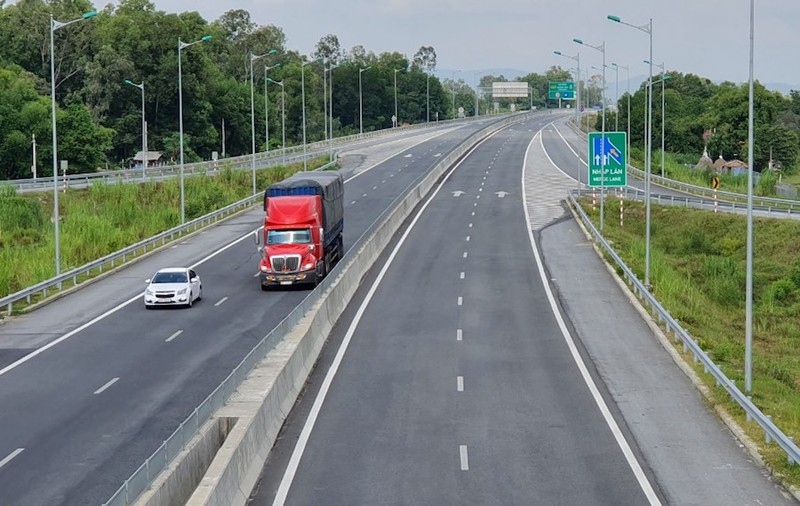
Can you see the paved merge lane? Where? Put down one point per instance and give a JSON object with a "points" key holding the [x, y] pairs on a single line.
{"points": [[81, 416], [457, 386]]}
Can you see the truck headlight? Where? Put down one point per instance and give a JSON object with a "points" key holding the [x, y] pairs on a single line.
{"points": [[265, 268], [307, 266]]}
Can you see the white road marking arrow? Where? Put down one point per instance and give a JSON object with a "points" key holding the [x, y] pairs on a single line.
{"points": [[501, 194], [458, 193]]}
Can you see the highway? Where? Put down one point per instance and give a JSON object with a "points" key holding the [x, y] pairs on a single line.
{"points": [[92, 383], [490, 358]]}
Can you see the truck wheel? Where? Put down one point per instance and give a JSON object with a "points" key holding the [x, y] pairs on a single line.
{"points": [[264, 288]]}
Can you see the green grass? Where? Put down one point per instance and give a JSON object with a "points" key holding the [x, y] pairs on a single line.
{"points": [[106, 218], [698, 273]]}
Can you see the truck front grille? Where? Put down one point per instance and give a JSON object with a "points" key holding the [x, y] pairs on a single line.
{"points": [[286, 263]]}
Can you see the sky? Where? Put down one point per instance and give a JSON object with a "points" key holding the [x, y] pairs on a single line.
{"points": [[709, 38]]}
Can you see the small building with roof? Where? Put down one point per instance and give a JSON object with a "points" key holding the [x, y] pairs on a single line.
{"points": [[152, 159]]}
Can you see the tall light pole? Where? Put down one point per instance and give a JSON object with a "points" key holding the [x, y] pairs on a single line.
{"points": [[628, 131], [181, 46], [361, 100], [577, 59], [254, 58], [427, 97], [396, 117], [664, 77], [303, 88], [266, 102], [33, 165], [283, 117], [602, 49], [144, 127], [330, 105], [748, 342], [648, 29], [56, 25]]}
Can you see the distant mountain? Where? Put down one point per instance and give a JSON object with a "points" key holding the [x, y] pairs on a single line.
{"points": [[782, 87]]}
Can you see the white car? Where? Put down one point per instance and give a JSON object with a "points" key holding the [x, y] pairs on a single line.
{"points": [[173, 286]]}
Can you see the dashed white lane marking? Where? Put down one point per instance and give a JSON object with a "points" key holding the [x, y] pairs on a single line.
{"points": [[105, 387], [467, 238], [463, 274], [477, 197], [173, 336], [462, 453], [256, 274], [173, 247], [364, 195], [383, 181], [459, 334], [475, 204], [460, 383], [221, 301], [302, 441], [465, 254], [374, 187], [480, 190], [470, 225], [461, 301], [353, 202], [11, 456], [473, 214]]}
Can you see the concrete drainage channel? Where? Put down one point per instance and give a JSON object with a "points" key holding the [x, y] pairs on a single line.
{"points": [[222, 461]]}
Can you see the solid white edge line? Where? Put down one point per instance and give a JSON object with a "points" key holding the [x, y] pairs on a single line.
{"points": [[463, 457], [302, 441], [221, 301], [638, 472], [11, 456], [173, 336], [106, 386]]}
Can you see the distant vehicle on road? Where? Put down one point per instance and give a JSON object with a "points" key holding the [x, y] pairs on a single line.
{"points": [[173, 286]]}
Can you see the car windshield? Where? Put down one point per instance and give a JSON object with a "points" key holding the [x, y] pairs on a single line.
{"points": [[170, 277], [302, 236]]}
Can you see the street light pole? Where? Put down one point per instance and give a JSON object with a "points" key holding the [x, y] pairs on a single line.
{"points": [[266, 102], [144, 127], [303, 88], [361, 101], [602, 49], [56, 25], [253, 59], [748, 352], [283, 118], [628, 131], [577, 59], [664, 77], [181, 46], [648, 29], [396, 117], [428, 97]]}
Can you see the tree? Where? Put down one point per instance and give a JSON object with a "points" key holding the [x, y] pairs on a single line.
{"points": [[329, 49], [424, 59]]}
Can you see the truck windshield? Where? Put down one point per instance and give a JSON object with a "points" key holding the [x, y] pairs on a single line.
{"points": [[302, 236]]}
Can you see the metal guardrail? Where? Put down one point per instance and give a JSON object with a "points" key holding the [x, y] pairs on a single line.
{"points": [[764, 202], [771, 431], [263, 159], [141, 479]]}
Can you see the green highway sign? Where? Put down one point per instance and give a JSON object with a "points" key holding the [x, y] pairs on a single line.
{"points": [[561, 90], [608, 152]]}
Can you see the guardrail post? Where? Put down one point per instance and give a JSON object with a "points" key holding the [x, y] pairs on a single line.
{"points": [[767, 438]]}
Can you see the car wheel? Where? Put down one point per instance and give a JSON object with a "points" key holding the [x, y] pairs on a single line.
{"points": [[200, 295], [189, 304]]}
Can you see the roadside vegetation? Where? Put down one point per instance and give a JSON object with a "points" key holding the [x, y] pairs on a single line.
{"points": [[106, 218], [698, 273]]}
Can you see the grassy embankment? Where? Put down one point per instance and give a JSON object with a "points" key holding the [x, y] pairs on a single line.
{"points": [[698, 273], [105, 218]]}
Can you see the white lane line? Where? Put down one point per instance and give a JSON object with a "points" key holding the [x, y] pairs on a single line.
{"points": [[256, 274], [374, 187], [221, 301], [459, 334], [473, 214], [470, 225], [465, 254], [467, 238], [383, 182], [478, 197], [475, 204], [480, 190], [305, 434], [461, 301], [173, 336], [11, 456], [364, 195], [106, 386], [137, 297], [462, 453], [638, 472], [462, 274], [353, 202], [460, 383]]}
